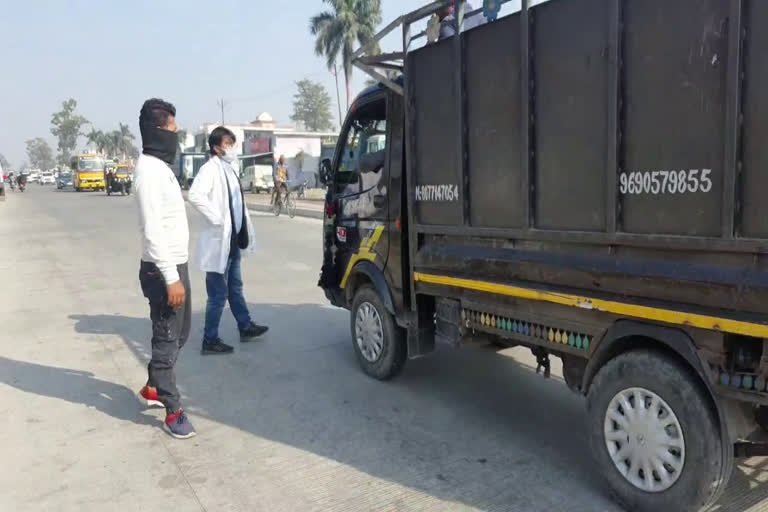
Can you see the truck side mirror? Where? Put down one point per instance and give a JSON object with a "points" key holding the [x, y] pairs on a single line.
{"points": [[325, 171]]}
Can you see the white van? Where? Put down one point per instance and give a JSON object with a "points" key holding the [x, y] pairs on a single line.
{"points": [[256, 174]]}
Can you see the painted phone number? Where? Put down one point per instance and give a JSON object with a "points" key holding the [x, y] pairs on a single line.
{"points": [[666, 182]]}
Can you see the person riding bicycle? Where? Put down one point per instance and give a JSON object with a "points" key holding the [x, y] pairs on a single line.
{"points": [[281, 179]]}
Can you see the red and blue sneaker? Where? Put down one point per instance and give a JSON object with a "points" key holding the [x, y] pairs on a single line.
{"points": [[148, 396], [178, 425]]}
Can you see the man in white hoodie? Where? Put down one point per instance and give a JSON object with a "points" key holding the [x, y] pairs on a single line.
{"points": [[163, 272], [216, 193]]}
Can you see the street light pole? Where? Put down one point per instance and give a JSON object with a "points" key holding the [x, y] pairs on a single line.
{"points": [[220, 103], [338, 97]]}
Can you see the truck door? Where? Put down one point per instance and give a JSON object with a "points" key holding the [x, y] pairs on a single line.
{"points": [[360, 189]]}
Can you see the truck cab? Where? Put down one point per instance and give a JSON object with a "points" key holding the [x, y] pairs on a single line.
{"points": [[363, 233]]}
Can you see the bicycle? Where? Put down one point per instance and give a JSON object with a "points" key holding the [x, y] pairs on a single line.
{"points": [[290, 204]]}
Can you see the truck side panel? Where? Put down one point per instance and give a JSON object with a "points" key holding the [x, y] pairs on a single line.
{"points": [[675, 57], [493, 125], [437, 153], [636, 95], [754, 179], [570, 74]]}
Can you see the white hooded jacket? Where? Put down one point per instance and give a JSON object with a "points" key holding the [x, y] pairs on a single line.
{"points": [[209, 196]]}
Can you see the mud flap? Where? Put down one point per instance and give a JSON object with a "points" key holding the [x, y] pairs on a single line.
{"points": [[421, 332], [448, 322]]}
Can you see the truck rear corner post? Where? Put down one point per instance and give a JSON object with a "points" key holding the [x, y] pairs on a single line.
{"points": [[546, 180]]}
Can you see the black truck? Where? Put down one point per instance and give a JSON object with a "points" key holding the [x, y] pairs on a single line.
{"points": [[585, 178]]}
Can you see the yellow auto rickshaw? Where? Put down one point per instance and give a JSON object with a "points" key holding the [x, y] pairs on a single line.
{"points": [[118, 178]]}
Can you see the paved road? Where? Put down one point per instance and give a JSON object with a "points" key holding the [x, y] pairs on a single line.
{"points": [[289, 424]]}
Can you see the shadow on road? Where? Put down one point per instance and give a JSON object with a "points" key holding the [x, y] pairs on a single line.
{"points": [[443, 419], [74, 386], [465, 426]]}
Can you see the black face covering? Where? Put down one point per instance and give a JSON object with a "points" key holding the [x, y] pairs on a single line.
{"points": [[159, 143]]}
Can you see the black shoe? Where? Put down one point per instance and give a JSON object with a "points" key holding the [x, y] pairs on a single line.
{"points": [[252, 331], [216, 347]]}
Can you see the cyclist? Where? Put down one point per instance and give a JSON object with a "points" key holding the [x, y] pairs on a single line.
{"points": [[281, 180]]}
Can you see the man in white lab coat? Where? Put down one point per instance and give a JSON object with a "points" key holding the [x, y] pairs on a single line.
{"points": [[216, 193]]}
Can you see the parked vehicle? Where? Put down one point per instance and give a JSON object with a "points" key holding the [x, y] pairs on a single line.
{"points": [[46, 178], [609, 213], [64, 180], [256, 175]]}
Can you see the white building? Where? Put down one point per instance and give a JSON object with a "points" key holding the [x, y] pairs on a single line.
{"points": [[301, 149]]}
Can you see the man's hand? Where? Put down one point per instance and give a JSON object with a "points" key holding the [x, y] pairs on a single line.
{"points": [[177, 295]]}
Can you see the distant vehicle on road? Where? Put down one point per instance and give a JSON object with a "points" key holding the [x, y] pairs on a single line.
{"points": [[46, 178], [87, 172], [64, 180], [257, 172], [34, 176], [118, 178]]}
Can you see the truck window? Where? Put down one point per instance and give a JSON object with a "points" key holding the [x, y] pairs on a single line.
{"points": [[367, 134]]}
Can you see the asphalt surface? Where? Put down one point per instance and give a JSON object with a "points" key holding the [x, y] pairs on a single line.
{"points": [[287, 424]]}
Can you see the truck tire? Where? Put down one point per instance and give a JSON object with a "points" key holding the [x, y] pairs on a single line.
{"points": [[683, 430], [379, 344]]}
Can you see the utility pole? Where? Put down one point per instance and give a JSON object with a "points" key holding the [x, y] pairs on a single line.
{"points": [[338, 97], [220, 103]]}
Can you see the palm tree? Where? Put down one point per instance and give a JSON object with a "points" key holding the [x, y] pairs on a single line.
{"points": [[113, 142], [96, 137], [126, 139], [339, 29]]}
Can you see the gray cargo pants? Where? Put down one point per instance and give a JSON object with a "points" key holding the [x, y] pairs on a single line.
{"points": [[170, 330]]}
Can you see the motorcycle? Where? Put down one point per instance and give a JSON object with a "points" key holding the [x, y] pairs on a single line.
{"points": [[22, 185], [301, 192]]}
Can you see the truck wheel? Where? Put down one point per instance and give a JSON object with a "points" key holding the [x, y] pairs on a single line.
{"points": [[654, 435], [379, 344]]}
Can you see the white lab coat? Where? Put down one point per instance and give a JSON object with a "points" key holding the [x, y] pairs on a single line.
{"points": [[208, 195]]}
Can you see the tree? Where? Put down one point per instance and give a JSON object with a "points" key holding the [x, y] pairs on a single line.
{"points": [[66, 127], [127, 149], [40, 154], [312, 106], [96, 137], [117, 143], [4, 163], [339, 29]]}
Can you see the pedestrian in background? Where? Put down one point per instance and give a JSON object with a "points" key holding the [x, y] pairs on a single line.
{"points": [[163, 274], [216, 193]]}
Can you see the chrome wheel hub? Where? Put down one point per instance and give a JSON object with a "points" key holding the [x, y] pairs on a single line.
{"points": [[644, 439], [369, 333]]}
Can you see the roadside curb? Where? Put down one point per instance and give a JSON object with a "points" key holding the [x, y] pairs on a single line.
{"points": [[300, 212]]}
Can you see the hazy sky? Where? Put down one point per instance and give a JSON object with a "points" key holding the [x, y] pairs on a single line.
{"points": [[111, 55]]}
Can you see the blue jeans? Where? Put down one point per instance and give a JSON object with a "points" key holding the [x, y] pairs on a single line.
{"points": [[223, 287]]}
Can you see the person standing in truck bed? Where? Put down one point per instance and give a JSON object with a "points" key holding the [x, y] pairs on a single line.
{"points": [[447, 20]]}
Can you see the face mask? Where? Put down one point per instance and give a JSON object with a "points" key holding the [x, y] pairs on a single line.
{"points": [[159, 143], [230, 155]]}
